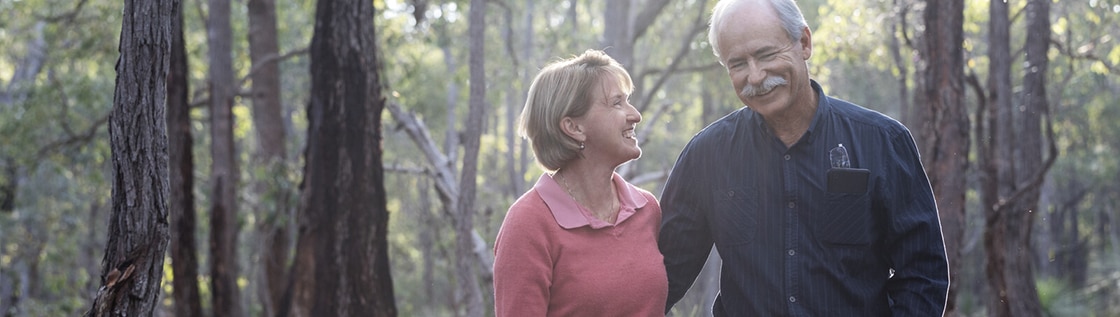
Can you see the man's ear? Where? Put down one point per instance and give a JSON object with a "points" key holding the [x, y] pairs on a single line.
{"points": [[572, 128], [806, 43]]}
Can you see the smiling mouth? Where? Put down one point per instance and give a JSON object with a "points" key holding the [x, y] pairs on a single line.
{"points": [[766, 87], [630, 134]]}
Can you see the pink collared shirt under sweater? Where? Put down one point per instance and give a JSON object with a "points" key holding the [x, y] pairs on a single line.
{"points": [[552, 258]]}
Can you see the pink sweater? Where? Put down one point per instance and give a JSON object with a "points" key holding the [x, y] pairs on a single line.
{"points": [[551, 258]]}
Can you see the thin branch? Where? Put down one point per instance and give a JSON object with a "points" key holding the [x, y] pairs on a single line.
{"points": [[649, 14], [684, 70], [698, 26], [67, 16], [1036, 180], [405, 169], [1068, 52], [272, 58], [507, 32], [203, 100], [84, 137], [418, 132]]}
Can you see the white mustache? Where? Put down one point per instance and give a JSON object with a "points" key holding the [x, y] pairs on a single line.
{"points": [[767, 85]]}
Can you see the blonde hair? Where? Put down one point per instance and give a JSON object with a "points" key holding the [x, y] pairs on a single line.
{"points": [[564, 88]]}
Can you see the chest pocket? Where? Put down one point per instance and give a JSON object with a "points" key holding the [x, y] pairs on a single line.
{"points": [[846, 220], [734, 217]]}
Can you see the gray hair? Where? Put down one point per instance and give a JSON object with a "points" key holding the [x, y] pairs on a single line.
{"points": [[788, 12]]}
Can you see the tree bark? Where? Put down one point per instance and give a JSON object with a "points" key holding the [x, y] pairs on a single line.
{"points": [[616, 32], [995, 153], [897, 29], [184, 250], [272, 207], [342, 262], [464, 239], [944, 133], [132, 268], [224, 174], [1014, 166]]}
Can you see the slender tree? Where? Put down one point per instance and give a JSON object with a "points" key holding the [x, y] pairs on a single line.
{"points": [[271, 206], [184, 250], [465, 262], [944, 130], [1014, 169], [996, 148], [132, 268], [224, 174], [342, 264], [1015, 173]]}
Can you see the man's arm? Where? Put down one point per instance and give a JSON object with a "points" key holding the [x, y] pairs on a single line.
{"points": [[915, 243], [685, 239]]}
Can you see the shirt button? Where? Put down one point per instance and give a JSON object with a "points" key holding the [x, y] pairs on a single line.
{"points": [[792, 299], [786, 157], [792, 204], [792, 252]]}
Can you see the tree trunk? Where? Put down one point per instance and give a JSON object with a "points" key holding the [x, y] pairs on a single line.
{"points": [[223, 171], [132, 268], [184, 250], [897, 29], [519, 162], [1022, 292], [1014, 166], [464, 240], [995, 153], [342, 262], [944, 133], [271, 207], [616, 32]]}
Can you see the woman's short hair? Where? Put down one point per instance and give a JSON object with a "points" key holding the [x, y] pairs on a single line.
{"points": [[564, 88]]}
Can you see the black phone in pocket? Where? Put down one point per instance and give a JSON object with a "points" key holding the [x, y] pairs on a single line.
{"points": [[848, 180]]}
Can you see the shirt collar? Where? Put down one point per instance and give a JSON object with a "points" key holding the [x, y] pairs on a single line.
{"points": [[569, 214]]}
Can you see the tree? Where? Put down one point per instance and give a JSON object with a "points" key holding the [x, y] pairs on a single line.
{"points": [[464, 227], [224, 173], [184, 250], [341, 264], [269, 155], [1015, 170], [132, 268], [944, 130]]}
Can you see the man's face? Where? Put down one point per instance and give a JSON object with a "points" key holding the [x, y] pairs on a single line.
{"points": [[766, 68]]}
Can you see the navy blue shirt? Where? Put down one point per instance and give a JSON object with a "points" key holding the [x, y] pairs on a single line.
{"points": [[792, 244]]}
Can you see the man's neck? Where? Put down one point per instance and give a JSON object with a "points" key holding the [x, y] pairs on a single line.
{"points": [[790, 125]]}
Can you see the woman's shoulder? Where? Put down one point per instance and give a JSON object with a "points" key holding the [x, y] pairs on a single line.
{"points": [[528, 210]]}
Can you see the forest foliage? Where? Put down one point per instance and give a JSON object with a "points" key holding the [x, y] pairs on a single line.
{"points": [[56, 92]]}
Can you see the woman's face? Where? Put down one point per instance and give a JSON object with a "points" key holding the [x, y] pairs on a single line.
{"points": [[608, 126]]}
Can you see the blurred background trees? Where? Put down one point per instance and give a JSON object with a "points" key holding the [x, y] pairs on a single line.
{"points": [[1048, 82]]}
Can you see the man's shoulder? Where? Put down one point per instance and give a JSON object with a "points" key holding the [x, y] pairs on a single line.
{"points": [[724, 127], [870, 118]]}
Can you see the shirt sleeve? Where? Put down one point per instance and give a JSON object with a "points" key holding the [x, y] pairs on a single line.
{"points": [[522, 266], [915, 243], [685, 239]]}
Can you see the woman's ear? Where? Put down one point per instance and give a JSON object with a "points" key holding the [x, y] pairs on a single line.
{"points": [[572, 128]]}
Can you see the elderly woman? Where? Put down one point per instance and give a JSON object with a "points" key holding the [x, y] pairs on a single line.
{"points": [[582, 241]]}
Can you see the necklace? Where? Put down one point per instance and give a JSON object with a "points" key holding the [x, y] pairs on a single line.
{"points": [[608, 216]]}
